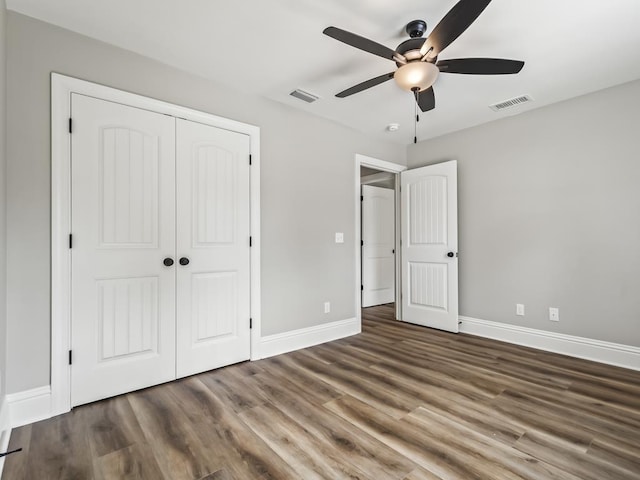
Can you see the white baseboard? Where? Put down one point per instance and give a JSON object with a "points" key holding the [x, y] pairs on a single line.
{"points": [[5, 429], [29, 406], [5, 421], [604, 352], [279, 343]]}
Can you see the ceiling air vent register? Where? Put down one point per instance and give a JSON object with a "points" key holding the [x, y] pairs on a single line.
{"points": [[512, 102], [304, 96]]}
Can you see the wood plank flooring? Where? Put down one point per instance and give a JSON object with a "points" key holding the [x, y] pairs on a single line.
{"points": [[395, 402]]}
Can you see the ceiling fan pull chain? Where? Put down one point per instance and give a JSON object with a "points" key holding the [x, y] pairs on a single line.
{"points": [[416, 92]]}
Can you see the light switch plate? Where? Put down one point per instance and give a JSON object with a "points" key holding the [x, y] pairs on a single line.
{"points": [[339, 237]]}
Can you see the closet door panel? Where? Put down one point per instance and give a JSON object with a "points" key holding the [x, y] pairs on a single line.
{"points": [[123, 226], [213, 295]]}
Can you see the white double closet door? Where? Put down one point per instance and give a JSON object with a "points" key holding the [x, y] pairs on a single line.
{"points": [[160, 260]]}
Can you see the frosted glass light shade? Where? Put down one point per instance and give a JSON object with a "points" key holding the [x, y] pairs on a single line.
{"points": [[416, 74]]}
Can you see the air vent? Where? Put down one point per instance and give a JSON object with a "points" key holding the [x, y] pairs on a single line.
{"points": [[305, 96], [511, 103]]}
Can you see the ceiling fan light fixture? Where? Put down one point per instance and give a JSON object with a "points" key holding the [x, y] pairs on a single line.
{"points": [[416, 74]]}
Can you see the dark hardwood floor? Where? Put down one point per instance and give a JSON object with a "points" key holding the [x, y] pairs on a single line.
{"points": [[396, 402]]}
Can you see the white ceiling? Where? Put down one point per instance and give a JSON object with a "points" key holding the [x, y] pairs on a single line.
{"points": [[270, 47]]}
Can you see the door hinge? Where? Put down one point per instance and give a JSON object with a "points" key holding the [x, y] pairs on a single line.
{"points": [[361, 198], [362, 243], [70, 240], [250, 323], [250, 159], [70, 357], [250, 241], [70, 125], [362, 288]]}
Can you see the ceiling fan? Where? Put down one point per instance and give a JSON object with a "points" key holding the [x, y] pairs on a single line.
{"points": [[417, 58]]}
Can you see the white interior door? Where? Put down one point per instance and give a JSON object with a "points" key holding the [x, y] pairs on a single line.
{"points": [[378, 244], [123, 226], [429, 246], [213, 308]]}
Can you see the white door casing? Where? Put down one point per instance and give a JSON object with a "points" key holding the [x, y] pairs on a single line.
{"points": [[429, 246], [123, 204], [213, 225], [378, 244]]}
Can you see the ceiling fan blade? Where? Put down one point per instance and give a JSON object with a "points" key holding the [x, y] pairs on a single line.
{"points": [[426, 100], [480, 66], [372, 82], [452, 25], [360, 42]]}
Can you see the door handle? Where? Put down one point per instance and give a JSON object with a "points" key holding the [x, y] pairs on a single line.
{"points": [[451, 254], [168, 261], [183, 261]]}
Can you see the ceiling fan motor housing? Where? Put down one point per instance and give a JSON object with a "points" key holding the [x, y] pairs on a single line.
{"points": [[411, 50], [416, 28]]}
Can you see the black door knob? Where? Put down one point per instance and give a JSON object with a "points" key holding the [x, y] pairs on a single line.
{"points": [[450, 254], [168, 261], [184, 261]]}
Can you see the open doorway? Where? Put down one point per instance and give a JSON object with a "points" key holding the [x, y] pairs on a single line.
{"points": [[377, 249], [377, 230]]}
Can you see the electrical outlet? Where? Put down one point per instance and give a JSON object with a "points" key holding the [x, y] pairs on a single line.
{"points": [[520, 309], [339, 237], [327, 307], [554, 314]]}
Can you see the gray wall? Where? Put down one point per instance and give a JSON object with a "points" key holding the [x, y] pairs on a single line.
{"points": [[549, 205], [307, 187], [3, 307]]}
